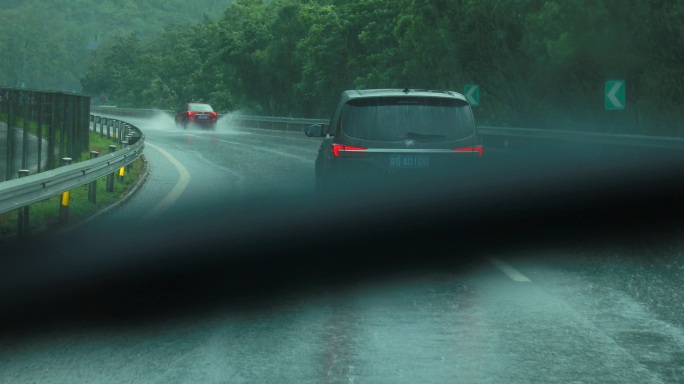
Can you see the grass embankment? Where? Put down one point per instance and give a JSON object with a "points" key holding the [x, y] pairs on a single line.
{"points": [[45, 214]]}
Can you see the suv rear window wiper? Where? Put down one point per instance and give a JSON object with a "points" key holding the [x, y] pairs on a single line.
{"points": [[424, 136]]}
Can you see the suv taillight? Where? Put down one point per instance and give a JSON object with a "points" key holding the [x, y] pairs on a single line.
{"points": [[475, 148], [337, 148]]}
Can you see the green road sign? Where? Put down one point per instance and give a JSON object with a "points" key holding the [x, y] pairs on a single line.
{"points": [[472, 94], [615, 94]]}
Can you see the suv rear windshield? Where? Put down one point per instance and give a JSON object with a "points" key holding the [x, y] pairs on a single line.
{"points": [[401, 118]]}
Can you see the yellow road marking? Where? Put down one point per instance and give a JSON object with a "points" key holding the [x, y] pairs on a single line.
{"points": [[171, 197]]}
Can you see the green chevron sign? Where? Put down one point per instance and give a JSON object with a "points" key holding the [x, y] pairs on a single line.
{"points": [[472, 94], [615, 95]]}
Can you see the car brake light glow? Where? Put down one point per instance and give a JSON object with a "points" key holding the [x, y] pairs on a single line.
{"points": [[336, 148], [215, 114], [191, 113], [475, 148]]}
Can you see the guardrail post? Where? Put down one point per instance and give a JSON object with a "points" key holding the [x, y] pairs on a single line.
{"points": [[92, 188], [9, 139], [122, 170], [128, 140], [64, 199], [124, 133], [23, 214], [110, 177]]}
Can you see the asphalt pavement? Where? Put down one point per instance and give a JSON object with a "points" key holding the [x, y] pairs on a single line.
{"points": [[570, 313]]}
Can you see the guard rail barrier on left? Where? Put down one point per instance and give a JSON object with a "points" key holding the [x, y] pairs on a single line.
{"points": [[19, 193]]}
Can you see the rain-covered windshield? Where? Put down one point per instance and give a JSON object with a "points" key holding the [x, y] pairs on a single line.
{"points": [[509, 217]]}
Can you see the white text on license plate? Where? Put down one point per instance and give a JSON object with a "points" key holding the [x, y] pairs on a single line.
{"points": [[409, 161]]}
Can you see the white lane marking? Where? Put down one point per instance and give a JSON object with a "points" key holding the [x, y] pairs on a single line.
{"points": [[279, 134], [264, 149], [509, 271], [287, 135], [281, 153], [291, 145], [183, 181]]}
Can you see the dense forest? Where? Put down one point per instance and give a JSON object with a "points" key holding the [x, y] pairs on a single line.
{"points": [[539, 63], [49, 44]]}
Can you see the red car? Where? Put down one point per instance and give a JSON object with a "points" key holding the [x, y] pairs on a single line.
{"points": [[197, 114]]}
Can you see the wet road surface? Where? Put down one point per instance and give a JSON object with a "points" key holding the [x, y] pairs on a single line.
{"points": [[226, 163], [566, 315]]}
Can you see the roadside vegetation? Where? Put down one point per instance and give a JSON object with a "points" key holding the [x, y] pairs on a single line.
{"points": [[48, 44], [538, 63]]}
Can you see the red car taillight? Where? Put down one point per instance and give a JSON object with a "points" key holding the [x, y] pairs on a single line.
{"points": [[337, 148], [214, 114], [191, 113], [475, 148]]}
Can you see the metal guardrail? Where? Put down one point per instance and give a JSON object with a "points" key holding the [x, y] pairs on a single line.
{"points": [[274, 123], [129, 112], [246, 121], [266, 122], [586, 137], [30, 189], [500, 133], [496, 136]]}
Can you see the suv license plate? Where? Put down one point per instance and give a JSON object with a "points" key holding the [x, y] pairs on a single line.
{"points": [[409, 161]]}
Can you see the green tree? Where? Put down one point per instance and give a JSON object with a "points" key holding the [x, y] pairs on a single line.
{"points": [[45, 42], [540, 63]]}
